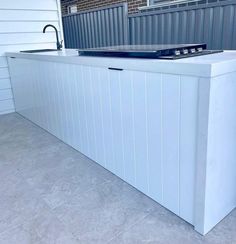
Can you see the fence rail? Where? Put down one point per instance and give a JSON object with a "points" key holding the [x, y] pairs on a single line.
{"points": [[214, 24]]}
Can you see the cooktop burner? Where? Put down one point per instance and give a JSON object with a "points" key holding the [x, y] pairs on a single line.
{"points": [[175, 51]]}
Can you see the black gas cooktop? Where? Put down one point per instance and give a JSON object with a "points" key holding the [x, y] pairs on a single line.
{"points": [[176, 51]]}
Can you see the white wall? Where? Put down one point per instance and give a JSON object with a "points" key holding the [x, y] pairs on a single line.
{"points": [[21, 25]]}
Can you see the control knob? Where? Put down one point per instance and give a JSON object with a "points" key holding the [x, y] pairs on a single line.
{"points": [[177, 52]]}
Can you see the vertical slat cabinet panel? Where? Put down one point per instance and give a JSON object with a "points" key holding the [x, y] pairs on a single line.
{"points": [[140, 126], [81, 103], [62, 103], [89, 112], [117, 130], [13, 73], [50, 83], [54, 105], [51, 89], [128, 125], [17, 69], [45, 93], [67, 112], [188, 130], [30, 99], [107, 119], [46, 90], [92, 112], [98, 115], [85, 92], [35, 92], [170, 127], [72, 109], [24, 91], [23, 80], [68, 101], [154, 134], [57, 101], [39, 94], [76, 106], [16, 79]]}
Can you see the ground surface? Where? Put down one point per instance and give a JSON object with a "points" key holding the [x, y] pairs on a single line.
{"points": [[51, 194]]}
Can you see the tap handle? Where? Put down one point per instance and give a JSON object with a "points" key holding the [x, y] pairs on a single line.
{"points": [[59, 45]]}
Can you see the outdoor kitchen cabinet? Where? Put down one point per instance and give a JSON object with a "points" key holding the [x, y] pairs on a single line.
{"points": [[170, 135]]}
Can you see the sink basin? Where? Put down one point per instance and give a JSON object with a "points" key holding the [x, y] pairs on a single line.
{"points": [[40, 50]]}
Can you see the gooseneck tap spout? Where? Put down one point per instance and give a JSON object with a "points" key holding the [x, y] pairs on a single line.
{"points": [[59, 45]]}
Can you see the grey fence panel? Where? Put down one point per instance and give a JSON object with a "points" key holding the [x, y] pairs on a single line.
{"points": [[214, 24], [96, 28]]}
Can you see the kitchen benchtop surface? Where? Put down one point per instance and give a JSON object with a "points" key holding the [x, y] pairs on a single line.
{"points": [[202, 66]]}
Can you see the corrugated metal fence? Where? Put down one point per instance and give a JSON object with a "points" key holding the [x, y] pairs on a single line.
{"points": [[214, 24], [96, 28]]}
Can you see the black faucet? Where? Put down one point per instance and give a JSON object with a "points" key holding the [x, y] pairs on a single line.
{"points": [[59, 45]]}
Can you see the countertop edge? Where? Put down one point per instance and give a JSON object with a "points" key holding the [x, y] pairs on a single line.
{"points": [[145, 65]]}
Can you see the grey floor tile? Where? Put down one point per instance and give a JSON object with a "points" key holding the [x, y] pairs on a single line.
{"points": [[44, 228], [163, 227], [57, 177], [105, 211], [18, 202], [57, 186], [160, 227], [49, 229], [18, 235], [224, 232]]}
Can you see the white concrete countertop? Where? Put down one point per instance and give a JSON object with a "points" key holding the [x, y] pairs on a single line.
{"points": [[202, 66]]}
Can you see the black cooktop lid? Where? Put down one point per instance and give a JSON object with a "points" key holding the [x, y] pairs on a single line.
{"points": [[163, 51], [142, 48]]}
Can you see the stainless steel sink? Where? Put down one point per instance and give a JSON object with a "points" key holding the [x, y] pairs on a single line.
{"points": [[40, 50]]}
